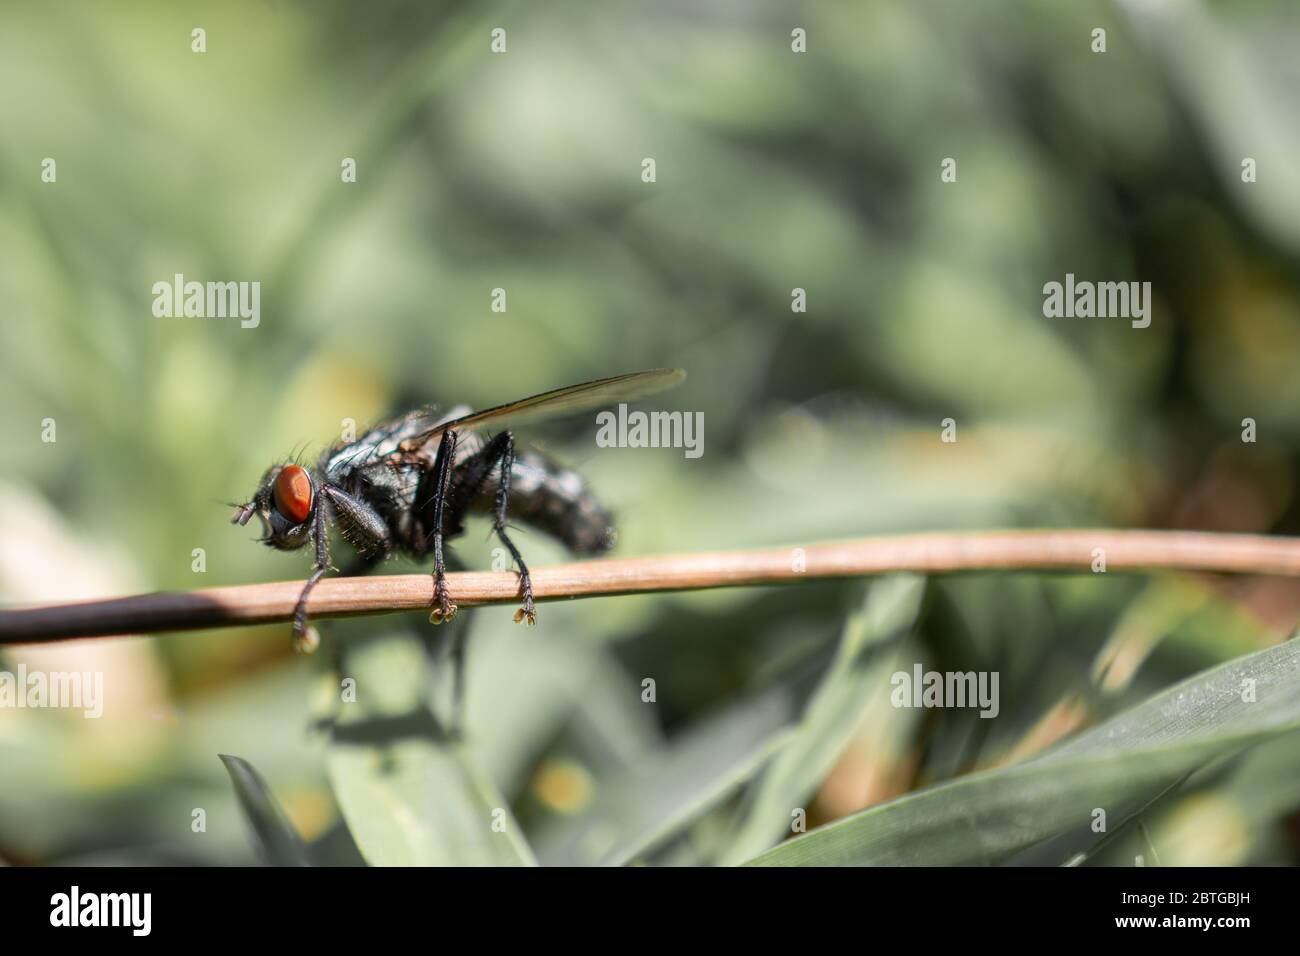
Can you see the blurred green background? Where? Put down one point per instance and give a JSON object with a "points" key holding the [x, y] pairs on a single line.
{"points": [[522, 171]]}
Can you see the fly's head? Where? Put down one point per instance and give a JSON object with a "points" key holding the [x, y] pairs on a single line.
{"points": [[286, 502]]}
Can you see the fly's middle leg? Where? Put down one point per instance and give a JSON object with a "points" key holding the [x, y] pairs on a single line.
{"points": [[472, 473], [433, 507], [527, 612]]}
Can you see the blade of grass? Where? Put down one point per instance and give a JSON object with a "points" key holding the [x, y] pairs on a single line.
{"points": [[411, 795], [859, 674], [671, 789], [1116, 766], [278, 843]]}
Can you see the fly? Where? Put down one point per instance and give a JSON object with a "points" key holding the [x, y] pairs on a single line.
{"points": [[407, 485]]}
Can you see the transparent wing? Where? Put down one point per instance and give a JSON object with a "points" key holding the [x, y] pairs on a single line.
{"points": [[560, 401]]}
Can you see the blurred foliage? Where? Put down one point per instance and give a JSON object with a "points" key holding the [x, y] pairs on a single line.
{"points": [[522, 171]]}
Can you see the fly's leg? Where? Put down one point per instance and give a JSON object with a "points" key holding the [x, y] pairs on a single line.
{"points": [[442, 465], [500, 451], [306, 641], [527, 612], [362, 525]]}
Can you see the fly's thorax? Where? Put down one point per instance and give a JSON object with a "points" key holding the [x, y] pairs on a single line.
{"points": [[381, 441], [390, 490]]}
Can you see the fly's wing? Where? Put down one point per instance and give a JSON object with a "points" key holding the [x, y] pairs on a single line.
{"points": [[560, 401]]}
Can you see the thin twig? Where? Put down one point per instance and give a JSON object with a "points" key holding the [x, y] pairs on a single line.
{"points": [[932, 553]]}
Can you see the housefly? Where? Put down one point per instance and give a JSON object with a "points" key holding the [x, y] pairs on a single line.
{"points": [[407, 485]]}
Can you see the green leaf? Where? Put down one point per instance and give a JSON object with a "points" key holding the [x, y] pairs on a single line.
{"points": [[520, 694], [278, 843], [670, 789], [1238, 102], [1118, 766], [411, 795], [856, 684]]}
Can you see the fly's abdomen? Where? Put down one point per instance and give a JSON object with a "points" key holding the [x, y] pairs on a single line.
{"points": [[556, 501]]}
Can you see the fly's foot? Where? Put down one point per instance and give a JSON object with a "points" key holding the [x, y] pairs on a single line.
{"points": [[306, 640], [445, 610], [527, 612], [443, 614]]}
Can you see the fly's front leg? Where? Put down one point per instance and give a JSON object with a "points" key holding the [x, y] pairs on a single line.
{"points": [[305, 641], [362, 526], [437, 502]]}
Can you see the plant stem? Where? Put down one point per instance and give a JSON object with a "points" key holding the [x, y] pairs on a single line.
{"points": [[930, 553]]}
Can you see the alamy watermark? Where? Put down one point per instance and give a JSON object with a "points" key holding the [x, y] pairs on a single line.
{"points": [[69, 690], [955, 689], [651, 430], [75, 908], [1102, 300], [208, 300]]}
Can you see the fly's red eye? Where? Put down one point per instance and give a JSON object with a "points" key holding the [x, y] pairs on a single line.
{"points": [[293, 493]]}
